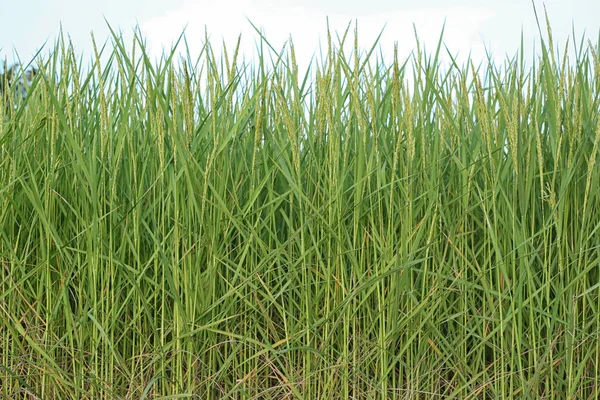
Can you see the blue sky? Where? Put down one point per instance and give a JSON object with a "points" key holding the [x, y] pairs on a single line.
{"points": [[471, 26]]}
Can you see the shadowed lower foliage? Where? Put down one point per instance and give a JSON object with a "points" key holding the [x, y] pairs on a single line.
{"points": [[220, 230]]}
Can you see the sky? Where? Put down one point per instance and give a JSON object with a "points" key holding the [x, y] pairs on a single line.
{"points": [[472, 27]]}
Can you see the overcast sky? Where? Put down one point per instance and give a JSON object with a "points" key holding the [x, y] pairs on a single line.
{"points": [[471, 26]]}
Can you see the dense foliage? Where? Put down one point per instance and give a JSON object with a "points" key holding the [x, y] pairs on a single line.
{"points": [[231, 230]]}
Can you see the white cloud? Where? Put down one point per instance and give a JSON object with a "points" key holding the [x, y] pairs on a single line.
{"points": [[226, 20]]}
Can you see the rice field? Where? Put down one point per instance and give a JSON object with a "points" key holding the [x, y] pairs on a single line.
{"points": [[214, 228]]}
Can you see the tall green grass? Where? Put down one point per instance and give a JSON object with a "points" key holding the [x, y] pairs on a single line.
{"points": [[216, 229]]}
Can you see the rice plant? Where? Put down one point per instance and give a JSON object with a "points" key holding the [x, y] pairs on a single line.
{"points": [[14, 82], [221, 229]]}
